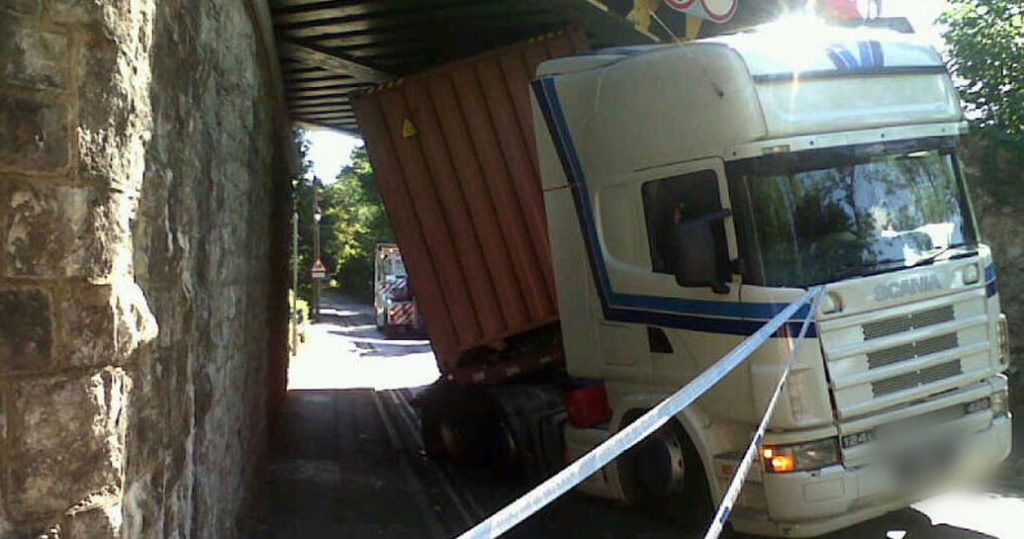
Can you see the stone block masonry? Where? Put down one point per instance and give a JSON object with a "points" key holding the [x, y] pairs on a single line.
{"points": [[143, 194]]}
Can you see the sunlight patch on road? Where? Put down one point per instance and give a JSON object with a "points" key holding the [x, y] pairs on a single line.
{"points": [[347, 357], [991, 514]]}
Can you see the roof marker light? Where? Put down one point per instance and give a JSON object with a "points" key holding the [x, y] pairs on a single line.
{"points": [[782, 148]]}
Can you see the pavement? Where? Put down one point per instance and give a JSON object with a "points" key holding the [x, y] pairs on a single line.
{"points": [[333, 471], [346, 462]]}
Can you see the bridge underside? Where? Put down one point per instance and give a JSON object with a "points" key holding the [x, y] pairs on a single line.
{"points": [[331, 49]]}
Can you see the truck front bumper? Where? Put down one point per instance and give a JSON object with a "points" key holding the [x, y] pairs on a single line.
{"points": [[807, 504]]}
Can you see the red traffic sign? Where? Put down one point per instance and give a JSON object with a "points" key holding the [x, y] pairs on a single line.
{"points": [[319, 270]]}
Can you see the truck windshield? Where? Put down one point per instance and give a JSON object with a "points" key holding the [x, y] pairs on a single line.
{"points": [[393, 266], [820, 216]]}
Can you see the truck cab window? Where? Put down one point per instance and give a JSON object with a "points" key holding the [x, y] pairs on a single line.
{"points": [[684, 228]]}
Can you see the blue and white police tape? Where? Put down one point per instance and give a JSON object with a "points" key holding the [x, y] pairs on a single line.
{"points": [[558, 484], [733, 492]]}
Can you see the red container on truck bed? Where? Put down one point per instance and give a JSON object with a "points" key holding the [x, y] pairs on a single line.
{"points": [[455, 161]]}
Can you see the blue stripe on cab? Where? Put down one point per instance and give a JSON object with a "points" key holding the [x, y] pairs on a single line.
{"points": [[867, 59], [761, 311], [991, 288]]}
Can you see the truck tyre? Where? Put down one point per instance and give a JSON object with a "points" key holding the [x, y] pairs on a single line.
{"points": [[430, 431], [455, 424], [529, 441], [664, 474]]}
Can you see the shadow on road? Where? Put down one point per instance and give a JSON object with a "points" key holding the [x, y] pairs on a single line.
{"points": [[904, 524], [332, 474], [579, 516]]}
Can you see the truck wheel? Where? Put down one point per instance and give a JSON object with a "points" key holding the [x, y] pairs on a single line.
{"points": [[430, 430], [453, 440], [664, 474], [454, 424]]}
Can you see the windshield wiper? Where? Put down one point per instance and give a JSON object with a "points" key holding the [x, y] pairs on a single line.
{"points": [[930, 259], [872, 268]]}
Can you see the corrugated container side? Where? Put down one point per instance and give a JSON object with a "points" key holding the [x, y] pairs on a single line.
{"points": [[454, 157]]}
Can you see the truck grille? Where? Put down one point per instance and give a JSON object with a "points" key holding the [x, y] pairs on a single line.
{"points": [[912, 350], [917, 378], [900, 324], [891, 359]]}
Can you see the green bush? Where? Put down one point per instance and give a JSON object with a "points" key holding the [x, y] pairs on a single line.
{"points": [[302, 309], [298, 323]]}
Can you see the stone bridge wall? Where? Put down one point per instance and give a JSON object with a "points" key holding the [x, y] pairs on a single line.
{"points": [[996, 176], [142, 193]]}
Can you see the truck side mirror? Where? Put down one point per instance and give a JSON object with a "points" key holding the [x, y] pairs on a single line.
{"points": [[698, 263]]}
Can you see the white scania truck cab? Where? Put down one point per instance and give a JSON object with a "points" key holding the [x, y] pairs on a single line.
{"points": [[693, 191]]}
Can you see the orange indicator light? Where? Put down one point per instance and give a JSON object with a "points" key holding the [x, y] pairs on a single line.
{"points": [[782, 463]]}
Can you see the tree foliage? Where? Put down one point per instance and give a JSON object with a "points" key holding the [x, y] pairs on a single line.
{"points": [[986, 42], [356, 222], [986, 49], [352, 223], [302, 199]]}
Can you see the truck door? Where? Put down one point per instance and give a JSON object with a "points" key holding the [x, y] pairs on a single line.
{"points": [[669, 242]]}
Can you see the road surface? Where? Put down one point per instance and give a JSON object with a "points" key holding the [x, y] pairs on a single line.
{"points": [[346, 461]]}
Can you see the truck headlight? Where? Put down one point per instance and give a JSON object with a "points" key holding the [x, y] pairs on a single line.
{"points": [[798, 457], [971, 274], [1000, 402], [1003, 339]]}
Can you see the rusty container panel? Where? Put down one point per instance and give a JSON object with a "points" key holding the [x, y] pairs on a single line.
{"points": [[455, 160]]}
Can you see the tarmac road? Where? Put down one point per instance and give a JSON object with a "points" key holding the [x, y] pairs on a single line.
{"points": [[346, 461]]}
